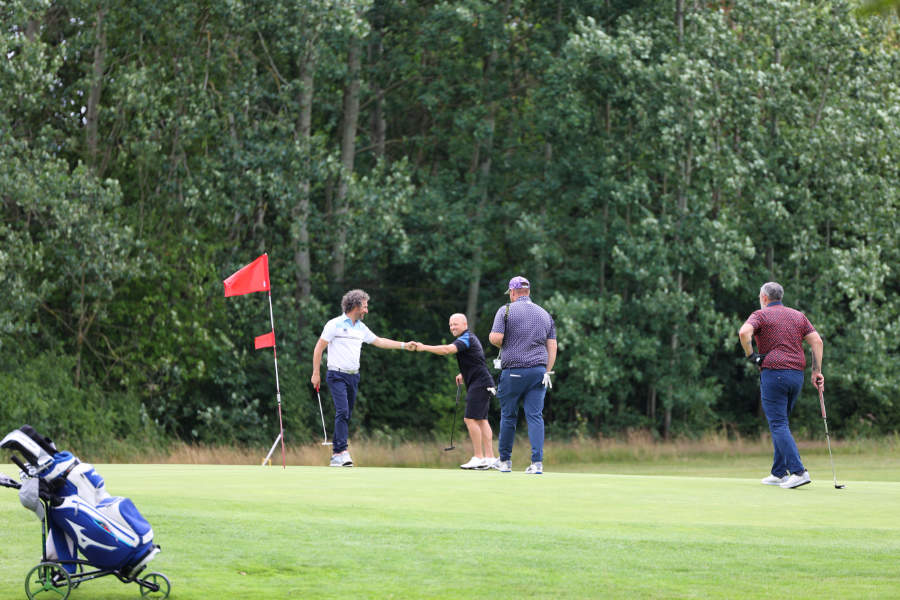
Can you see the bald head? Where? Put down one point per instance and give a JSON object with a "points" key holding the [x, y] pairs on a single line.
{"points": [[458, 323]]}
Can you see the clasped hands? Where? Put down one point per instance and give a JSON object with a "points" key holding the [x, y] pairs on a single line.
{"points": [[412, 346]]}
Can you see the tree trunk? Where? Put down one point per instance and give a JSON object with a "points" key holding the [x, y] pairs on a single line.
{"points": [[93, 103], [301, 210], [474, 288], [667, 424], [377, 122], [350, 122], [482, 161], [482, 182], [679, 19]]}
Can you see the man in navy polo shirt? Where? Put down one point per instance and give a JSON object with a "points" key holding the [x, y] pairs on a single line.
{"points": [[780, 332], [474, 373], [526, 336], [344, 337]]}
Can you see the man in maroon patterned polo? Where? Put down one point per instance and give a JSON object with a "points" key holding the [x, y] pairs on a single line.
{"points": [[780, 332]]}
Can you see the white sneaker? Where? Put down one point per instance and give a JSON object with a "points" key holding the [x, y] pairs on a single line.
{"points": [[347, 461], [535, 468], [773, 480], [337, 460], [504, 466], [487, 463], [795, 481], [474, 463]]}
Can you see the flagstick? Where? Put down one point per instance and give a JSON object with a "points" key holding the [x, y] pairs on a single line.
{"points": [[277, 386]]}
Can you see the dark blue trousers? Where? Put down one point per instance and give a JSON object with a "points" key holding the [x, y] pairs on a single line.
{"points": [[343, 388], [524, 385], [780, 389]]}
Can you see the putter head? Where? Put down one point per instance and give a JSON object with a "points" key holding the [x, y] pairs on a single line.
{"points": [[326, 443], [839, 486], [449, 449]]}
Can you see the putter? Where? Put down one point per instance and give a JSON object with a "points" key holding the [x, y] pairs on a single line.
{"points": [[322, 414], [453, 422], [828, 441]]}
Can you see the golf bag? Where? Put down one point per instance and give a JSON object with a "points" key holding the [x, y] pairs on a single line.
{"points": [[107, 530]]}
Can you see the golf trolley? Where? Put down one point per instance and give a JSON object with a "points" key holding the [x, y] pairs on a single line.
{"points": [[50, 579], [85, 533]]}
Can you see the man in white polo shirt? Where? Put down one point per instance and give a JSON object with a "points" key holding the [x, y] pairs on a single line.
{"points": [[344, 337]]}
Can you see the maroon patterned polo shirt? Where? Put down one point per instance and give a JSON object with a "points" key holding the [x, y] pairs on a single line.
{"points": [[779, 333]]}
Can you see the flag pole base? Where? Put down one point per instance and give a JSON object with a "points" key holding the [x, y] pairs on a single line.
{"points": [[268, 458]]}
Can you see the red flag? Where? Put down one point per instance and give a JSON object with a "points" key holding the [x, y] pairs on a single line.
{"points": [[252, 278], [265, 340]]}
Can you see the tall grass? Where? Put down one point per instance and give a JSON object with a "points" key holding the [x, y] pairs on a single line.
{"points": [[633, 447]]}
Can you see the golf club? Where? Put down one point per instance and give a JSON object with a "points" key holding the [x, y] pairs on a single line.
{"points": [[18, 462], [828, 441], [453, 422], [7, 481], [322, 414]]}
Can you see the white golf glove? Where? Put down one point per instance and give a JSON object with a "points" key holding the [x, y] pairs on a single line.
{"points": [[546, 381]]}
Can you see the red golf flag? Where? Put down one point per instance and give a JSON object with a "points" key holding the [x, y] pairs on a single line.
{"points": [[266, 340], [252, 278]]}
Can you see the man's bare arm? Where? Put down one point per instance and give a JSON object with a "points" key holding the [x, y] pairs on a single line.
{"points": [[442, 349]]}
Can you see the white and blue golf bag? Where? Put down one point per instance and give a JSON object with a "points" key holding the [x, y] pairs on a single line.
{"points": [[107, 530]]}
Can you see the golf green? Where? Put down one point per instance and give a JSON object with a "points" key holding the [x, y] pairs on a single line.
{"points": [[315, 532]]}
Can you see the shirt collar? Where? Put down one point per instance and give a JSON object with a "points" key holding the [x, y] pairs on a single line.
{"points": [[523, 299], [349, 321], [774, 303]]}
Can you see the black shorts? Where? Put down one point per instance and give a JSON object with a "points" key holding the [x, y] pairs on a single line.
{"points": [[478, 401]]}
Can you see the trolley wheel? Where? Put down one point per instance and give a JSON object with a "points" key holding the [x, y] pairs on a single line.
{"points": [[48, 580], [154, 585]]}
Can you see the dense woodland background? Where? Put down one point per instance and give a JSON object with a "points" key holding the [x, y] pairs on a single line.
{"points": [[646, 164]]}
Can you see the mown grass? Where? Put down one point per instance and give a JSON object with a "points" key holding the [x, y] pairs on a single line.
{"points": [[250, 532]]}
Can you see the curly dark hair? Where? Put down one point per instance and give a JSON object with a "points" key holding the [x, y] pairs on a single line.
{"points": [[352, 299]]}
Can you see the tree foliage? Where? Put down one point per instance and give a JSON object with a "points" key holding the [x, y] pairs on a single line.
{"points": [[647, 165]]}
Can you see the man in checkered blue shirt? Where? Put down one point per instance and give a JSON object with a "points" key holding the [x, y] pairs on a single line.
{"points": [[526, 336]]}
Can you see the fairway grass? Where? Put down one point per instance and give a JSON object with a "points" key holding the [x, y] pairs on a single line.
{"points": [[313, 532]]}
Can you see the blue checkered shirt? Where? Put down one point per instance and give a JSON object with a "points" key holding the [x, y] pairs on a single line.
{"points": [[525, 334]]}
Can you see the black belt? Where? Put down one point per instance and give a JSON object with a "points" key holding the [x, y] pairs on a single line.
{"points": [[348, 372]]}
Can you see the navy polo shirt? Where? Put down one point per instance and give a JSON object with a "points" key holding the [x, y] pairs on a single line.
{"points": [[471, 361]]}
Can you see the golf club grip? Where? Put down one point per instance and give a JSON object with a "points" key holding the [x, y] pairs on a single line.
{"points": [[19, 463], [822, 403]]}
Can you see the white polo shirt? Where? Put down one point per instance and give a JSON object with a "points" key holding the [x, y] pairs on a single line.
{"points": [[345, 340]]}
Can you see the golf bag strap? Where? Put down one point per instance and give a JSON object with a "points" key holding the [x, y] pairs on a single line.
{"points": [[505, 332]]}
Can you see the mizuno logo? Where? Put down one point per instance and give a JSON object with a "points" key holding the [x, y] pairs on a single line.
{"points": [[83, 540]]}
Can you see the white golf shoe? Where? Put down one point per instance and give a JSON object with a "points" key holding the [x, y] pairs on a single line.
{"points": [[795, 481], [474, 463], [535, 468], [504, 466], [341, 460], [773, 480], [487, 463]]}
